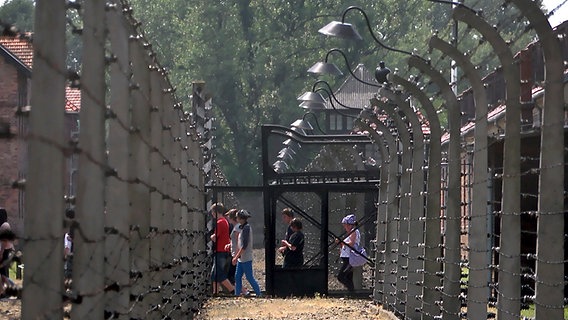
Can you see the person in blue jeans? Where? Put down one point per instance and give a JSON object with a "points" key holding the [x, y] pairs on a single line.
{"points": [[243, 257]]}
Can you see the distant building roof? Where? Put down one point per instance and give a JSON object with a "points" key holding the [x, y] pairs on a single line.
{"points": [[20, 47], [352, 92], [73, 99], [20, 50]]}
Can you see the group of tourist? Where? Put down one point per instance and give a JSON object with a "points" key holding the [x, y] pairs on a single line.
{"points": [[233, 258], [233, 247]]}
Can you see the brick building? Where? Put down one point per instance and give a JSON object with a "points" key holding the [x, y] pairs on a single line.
{"points": [[16, 62]]}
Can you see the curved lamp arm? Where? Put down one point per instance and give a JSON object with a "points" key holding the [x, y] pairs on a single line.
{"points": [[315, 119], [331, 95], [348, 68]]}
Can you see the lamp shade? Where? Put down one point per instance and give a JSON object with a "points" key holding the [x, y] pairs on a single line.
{"points": [[285, 153], [298, 130], [310, 105], [340, 30], [292, 144], [280, 166], [312, 96], [325, 68], [302, 124]]}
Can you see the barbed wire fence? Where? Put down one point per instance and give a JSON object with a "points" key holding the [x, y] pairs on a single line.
{"points": [[139, 241], [495, 246]]}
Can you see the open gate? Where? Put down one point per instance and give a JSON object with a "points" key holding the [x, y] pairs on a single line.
{"points": [[327, 177]]}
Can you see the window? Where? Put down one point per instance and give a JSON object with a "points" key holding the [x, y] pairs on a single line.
{"points": [[335, 122]]}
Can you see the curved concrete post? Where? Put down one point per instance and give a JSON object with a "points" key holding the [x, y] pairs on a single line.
{"points": [[399, 247], [415, 221], [479, 249], [549, 302], [432, 267], [510, 250], [390, 205], [452, 273], [386, 144]]}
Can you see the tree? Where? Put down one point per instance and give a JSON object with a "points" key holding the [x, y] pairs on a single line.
{"points": [[19, 13], [253, 55]]}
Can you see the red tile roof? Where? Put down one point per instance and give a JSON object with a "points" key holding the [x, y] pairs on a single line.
{"points": [[22, 49], [73, 99]]}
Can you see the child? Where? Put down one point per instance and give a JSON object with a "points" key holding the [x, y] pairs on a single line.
{"points": [[243, 257]]}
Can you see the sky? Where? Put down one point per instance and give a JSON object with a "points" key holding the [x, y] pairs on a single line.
{"points": [[556, 19], [560, 15]]}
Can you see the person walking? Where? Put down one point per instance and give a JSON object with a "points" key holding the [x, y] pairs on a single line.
{"points": [[353, 239], [244, 256], [220, 237], [234, 245]]}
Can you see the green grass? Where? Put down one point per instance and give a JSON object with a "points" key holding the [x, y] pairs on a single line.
{"points": [[529, 313], [13, 271]]}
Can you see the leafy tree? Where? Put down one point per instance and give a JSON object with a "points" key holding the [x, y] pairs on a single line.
{"points": [[253, 55], [19, 13]]}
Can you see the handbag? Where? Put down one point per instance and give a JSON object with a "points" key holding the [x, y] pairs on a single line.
{"points": [[358, 257]]}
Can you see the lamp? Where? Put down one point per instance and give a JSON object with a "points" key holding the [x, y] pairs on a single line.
{"points": [[286, 153], [348, 31], [302, 124], [314, 97], [280, 166], [330, 68], [305, 125], [314, 105], [292, 144], [341, 29]]}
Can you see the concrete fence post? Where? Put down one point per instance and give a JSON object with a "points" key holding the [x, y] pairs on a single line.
{"points": [[88, 242], [479, 253], [509, 249], [432, 267], [43, 231], [452, 270]]}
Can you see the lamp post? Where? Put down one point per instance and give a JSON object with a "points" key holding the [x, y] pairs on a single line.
{"points": [[326, 67]]}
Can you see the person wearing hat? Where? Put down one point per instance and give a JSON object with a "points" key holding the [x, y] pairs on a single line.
{"points": [[243, 257], [345, 275]]}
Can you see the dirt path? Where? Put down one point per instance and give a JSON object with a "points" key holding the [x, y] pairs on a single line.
{"points": [[291, 308]]}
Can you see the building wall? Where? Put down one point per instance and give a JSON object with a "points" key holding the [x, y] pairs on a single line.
{"points": [[10, 149]]}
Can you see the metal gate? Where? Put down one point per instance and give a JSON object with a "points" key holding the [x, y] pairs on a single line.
{"points": [[328, 178]]}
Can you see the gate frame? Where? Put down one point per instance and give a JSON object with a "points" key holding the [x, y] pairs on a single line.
{"points": [[319, 183]]}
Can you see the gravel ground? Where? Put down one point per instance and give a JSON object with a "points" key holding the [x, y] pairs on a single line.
{"points": [[318, 308], [228, 307]]}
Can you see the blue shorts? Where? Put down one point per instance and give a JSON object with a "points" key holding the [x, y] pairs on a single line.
{"points": [[220, 269]]}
